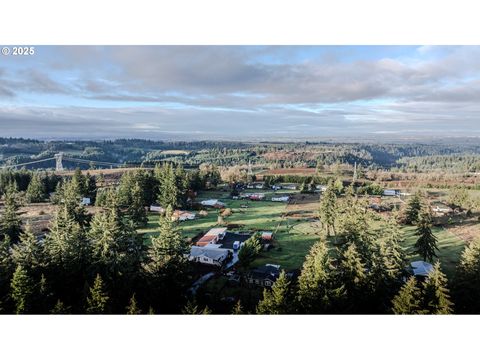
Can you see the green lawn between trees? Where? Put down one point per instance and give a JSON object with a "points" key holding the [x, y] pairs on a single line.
{"points": [[295, 237]]}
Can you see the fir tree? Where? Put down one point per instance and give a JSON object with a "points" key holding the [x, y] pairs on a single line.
{"points": [[467, 282], [10, 223], [249, 250], [313, 283], [98, 299], [414, 206], [436, 294], [60, 308], [36, 191], [427, 242], [168, 190], [132, 308], [168, 248], [328, 209], [136, 208], [22, 289], [191, 308], [238, 309], [409, 298], [277, 300], [28, 252]]}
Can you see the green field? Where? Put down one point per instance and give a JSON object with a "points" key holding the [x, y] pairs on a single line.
{"points": [[450, 248], [293, 238]]}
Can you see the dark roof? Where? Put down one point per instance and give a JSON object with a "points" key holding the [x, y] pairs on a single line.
{"points": [[265, 272]]}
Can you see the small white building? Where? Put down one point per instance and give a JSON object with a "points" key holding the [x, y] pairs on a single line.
{"points": [[157, 208], [86, 201], [390, 192], [180, 215], [281, 199], [213, 203], [208, 255]]}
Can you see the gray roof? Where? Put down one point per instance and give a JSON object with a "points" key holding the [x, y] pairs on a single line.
{"points": [[212, 253]]}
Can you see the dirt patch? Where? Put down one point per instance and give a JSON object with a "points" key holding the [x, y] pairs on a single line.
{"points": [[465, 232], [302, 206]]}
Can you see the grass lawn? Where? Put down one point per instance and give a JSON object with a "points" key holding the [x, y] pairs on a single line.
{"points": [[450, 248]]}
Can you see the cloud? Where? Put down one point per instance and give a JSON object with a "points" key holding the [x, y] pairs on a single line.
{"points": [[215, 90]]}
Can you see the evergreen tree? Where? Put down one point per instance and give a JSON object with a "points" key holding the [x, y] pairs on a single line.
{"points": [[136, 208], [427, 242], [238, 309], [249, 250], [277, 300], [71, 201], [168, 248], [132, 308], [10, 223], [28, 252], [353, 277], [36, 191], [60, 308], [467, 282], [313, 284], [436, 294], [98, 299], [168, 191], [328, 209], [6, 269], [79, 182], [22, 289], [117, 249], [409, 299], [414, 206], [191, 308], [166, 266]]}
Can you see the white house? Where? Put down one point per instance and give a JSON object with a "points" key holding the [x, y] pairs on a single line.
{"points": [[208, 255], [86, 201]]}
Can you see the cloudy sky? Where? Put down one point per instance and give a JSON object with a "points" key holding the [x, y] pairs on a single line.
{"points": [[162, 92]]}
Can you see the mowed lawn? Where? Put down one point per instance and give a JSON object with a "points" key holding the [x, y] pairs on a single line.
{"points": [[450, 248]]}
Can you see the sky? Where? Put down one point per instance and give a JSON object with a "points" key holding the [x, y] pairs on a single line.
{"points": [[240, 92]]}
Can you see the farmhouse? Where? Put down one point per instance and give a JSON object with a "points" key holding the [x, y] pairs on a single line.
{"points": [[264, 275], [213, 203], [208, 255], [212, 236], [281, 199], [180, 215]]}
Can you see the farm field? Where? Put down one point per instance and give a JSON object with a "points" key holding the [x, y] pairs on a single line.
{"points": [[297, 228]]}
